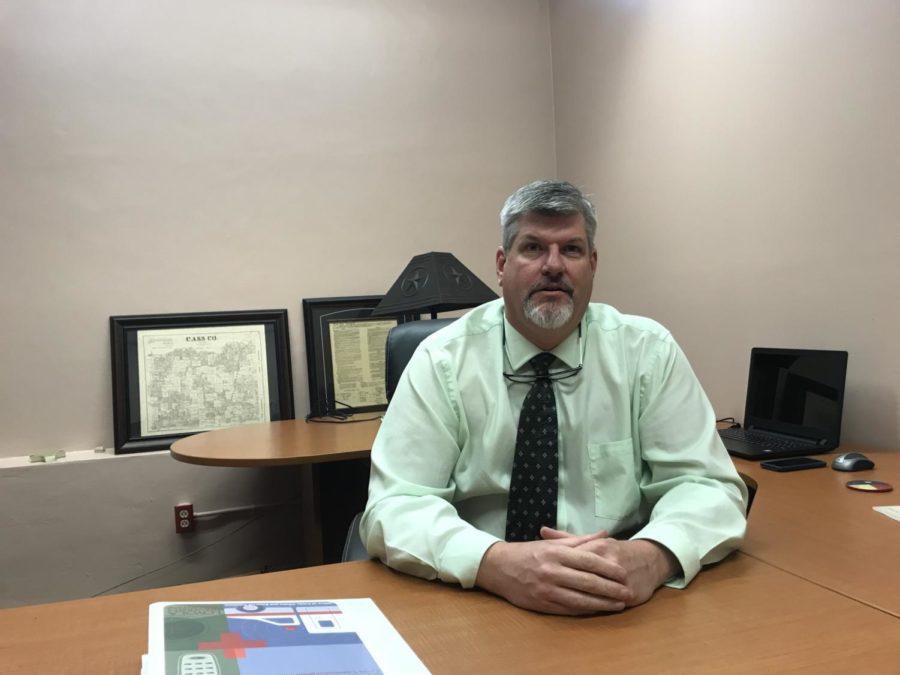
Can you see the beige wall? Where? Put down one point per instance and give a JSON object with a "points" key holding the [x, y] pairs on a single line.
{"points": [[166, 156], [745, 156], [84, 528]]}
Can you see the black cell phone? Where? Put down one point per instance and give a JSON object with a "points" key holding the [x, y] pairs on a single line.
{"points": [[792, 464]]}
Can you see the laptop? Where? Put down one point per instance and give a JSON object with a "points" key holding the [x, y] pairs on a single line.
{"points": [[795, 399]]}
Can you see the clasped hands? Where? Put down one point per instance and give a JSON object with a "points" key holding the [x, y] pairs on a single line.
{"points": [[568, 574]]}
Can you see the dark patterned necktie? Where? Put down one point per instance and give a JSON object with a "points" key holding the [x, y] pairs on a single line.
{"points": [[533, 485]]}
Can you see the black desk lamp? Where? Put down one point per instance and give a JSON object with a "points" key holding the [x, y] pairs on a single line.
{"points": [[434, 282]]}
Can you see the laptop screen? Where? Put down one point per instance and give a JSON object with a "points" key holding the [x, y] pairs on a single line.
{"points": [[796, 391]]}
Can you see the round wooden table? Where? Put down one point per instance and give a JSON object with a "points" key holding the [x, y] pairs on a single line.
{"points": [[279, 443], [335, 483]]}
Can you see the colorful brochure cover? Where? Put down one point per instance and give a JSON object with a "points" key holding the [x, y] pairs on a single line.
{"points": [[298, 637]]}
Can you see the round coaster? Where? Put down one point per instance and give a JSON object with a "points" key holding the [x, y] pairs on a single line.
{"points": [[870, 485]]}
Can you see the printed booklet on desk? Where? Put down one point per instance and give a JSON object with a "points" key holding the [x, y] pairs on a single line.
{"points": [[275, 638]]}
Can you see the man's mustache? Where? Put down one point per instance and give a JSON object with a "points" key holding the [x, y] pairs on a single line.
{"points": [[551, 286]]}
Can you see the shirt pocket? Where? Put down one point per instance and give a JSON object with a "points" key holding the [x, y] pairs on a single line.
{"points": [[616, 489]]}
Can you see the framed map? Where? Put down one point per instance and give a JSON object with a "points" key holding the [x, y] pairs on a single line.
{"points": [[345, 354], [179, 374]]}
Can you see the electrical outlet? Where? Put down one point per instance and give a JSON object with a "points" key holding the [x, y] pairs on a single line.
{"points": [[184, 518]]}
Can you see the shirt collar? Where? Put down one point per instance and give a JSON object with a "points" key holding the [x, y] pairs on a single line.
{"points": [[520, 351]]}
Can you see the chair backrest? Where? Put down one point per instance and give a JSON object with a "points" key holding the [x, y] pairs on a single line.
{"points": [[752, 487], [402, 341]]}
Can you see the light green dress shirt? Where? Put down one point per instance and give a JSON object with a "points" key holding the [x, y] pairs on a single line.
{"points": [[639, 453]]}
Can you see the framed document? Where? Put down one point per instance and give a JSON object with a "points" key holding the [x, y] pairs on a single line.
{"points": [[345, 354], [177, 374]]}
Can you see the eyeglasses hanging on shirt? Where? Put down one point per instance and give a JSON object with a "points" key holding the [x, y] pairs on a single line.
{"points": [[553, 375]]}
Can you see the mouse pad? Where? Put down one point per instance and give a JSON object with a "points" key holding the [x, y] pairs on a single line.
{"points": [[870, 485]]}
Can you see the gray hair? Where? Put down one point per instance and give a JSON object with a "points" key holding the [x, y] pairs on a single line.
{"points": [[546, 198]]}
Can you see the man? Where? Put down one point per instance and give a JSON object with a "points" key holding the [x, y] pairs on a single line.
{"points": [[631, 488]]}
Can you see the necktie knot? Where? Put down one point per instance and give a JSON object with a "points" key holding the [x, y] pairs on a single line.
{"points": [[541, 363]]}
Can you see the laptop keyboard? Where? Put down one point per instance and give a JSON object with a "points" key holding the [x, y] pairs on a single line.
{"points": [[768, 440]]}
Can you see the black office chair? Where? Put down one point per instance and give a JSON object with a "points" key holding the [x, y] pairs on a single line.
{"points": [[751, 489], [402, 341]]}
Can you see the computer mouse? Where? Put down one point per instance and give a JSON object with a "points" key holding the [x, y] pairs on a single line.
{"points": [[852, 461]]}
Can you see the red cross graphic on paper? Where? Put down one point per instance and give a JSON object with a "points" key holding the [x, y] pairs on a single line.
{"points": [[232, 644]]}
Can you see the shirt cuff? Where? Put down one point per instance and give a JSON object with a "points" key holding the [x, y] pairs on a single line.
{"points": [[680, 546], [462, 556]]}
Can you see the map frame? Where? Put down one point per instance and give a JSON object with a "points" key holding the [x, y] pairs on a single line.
{"points": [[126, 378], [319, 314]]}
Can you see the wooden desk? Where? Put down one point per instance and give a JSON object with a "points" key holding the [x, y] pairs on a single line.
{"points": [[810, 524], [742, 616], [335, 487]]}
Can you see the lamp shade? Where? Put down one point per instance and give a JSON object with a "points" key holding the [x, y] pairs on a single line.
{"points": [[434, 282]]}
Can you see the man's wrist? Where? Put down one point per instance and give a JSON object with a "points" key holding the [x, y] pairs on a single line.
{"points": [[664, 564], [486, 574]]}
